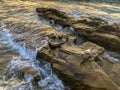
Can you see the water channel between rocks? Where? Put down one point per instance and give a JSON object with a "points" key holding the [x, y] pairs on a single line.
{"points": [[110, 55], [22, 57]]}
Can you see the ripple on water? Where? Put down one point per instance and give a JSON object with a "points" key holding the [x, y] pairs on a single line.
{"points": [[25, 58]]}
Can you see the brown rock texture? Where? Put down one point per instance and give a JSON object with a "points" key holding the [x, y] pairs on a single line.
{"points": [[77, 67], [54, 14], [112, 69], [81, 67], [32, 72], [93, 29], [99, 32]]}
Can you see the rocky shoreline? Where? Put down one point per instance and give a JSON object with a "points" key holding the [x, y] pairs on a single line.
{"points": [[81, 67], [93, 29]]}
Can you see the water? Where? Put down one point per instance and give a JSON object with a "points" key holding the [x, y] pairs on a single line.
{"points": [[14, 79], [67, 30], [112, 56], [105, 1]]}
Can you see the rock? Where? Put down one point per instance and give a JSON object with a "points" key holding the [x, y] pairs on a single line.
{"points": [[37, 78], [28, 70], [55, 45], [73, 39], [77, 67], [52, 10], [102, 34], [31, 71], [53, 14], [112, 69], [93, 29], [91, 21], [39, 34], [36, 33]]}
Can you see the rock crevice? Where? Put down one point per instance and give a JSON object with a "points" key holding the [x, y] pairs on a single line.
{"points": [[93, 29]]}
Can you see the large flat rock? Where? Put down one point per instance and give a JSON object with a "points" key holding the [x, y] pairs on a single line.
{"points": [[93, 29], [77, 67]]}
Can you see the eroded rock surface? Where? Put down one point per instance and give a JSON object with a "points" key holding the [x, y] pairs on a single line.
{"points": [[77, 67], [111, 68], [99, 32], [94, 29], [54, 14]]}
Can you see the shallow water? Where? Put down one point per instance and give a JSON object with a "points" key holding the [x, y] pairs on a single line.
{"points": [[112, 56], [67, 30], [20, 57]]}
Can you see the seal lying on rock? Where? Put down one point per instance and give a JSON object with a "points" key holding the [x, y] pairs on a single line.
{"points": [[55, 45]]}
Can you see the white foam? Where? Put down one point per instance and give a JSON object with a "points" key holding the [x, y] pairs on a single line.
{"points": [[27, 58], [112, 56]]}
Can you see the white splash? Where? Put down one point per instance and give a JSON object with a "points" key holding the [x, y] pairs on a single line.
{"points": [[27, 58], [112, 56]]}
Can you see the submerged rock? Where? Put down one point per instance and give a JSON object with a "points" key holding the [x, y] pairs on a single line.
{"points": [[32, 72]]}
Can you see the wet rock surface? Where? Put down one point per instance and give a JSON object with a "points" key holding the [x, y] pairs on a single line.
{"points": [[111, 68], [93, 29], [81, 67], [99, 32], [77, 67], [28, 67], [54, 14]]}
